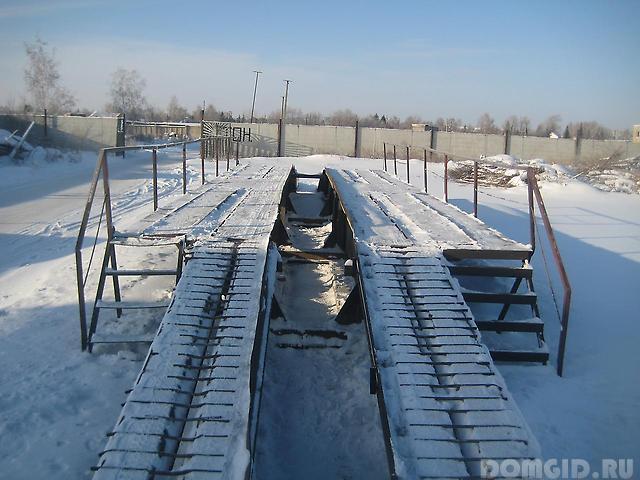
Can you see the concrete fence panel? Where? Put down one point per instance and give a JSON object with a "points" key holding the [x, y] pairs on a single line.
{"points": [[82, 133], [320, 139]]}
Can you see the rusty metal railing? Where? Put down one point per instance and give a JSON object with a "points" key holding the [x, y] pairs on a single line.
{"points": [[102, 172], [533, 193]]}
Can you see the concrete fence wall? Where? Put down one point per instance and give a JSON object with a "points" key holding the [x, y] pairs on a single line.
{"points": [[318, 139], [82, 133]]}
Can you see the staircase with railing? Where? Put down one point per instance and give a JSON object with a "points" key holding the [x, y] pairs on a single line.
{"points": [[521, 274], [105, 229]]}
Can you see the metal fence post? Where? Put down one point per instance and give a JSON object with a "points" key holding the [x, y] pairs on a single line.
{"points": [[237, 153], [227, 147], [475, 189], [184, 168], [154, 158], [446, 178], [384, 150], [408, 177], [426, 185], [395, 162], [45, 123]]}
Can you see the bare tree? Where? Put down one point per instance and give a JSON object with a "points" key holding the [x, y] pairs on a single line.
{"points": [[43, 79], [127, 93], [487, 124], [593, 130], [511, 123], [175, 111], [342, 118]]}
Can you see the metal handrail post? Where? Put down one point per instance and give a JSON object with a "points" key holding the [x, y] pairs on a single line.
{"points": [[446, 178], [532, 212], [384, 150], [227, 147], [184, 168], [395, 162], [154, 161], [408, 155], [424, 172], [475, 189], [216, 148], [566, 304]]}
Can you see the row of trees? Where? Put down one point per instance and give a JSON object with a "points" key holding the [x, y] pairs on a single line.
{"points": [[127, 95]]}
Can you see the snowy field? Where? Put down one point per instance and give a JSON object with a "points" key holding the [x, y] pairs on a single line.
{"points": [[57, 403]]}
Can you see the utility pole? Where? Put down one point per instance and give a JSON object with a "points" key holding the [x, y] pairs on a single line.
{"points": [[255, 89], [286, 98]]}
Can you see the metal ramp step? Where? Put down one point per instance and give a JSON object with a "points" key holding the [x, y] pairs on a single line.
{"points": [[528, 298], [141, 272], [534, 355], [136, 240], [533, 325], [131, 305], [491, 271], [116, 339]]}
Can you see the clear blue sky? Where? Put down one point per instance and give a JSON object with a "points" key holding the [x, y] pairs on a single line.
{"points": [[578, 59]]}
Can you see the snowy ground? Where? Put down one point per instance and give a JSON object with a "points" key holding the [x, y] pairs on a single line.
{"points": [[57, 403]]}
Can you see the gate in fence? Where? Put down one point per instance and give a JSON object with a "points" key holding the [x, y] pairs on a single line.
{"points": [[217, 140]]}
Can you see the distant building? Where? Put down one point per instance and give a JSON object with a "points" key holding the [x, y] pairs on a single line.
{"points": [[554, 135], [636, 134], [420, 127]]}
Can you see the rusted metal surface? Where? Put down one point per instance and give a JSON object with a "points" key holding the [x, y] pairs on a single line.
{"points": [[102, 172], [534, 196], [566, 303]]}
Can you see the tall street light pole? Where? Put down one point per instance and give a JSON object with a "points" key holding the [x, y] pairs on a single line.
{"points": [[255, 89], [286, 98]]}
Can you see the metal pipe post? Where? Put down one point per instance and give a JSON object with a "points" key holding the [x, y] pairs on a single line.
{"points": [[395, 162], [384, 150], [237, 153], [426, 186], [184, 168], [532, 212], [154, 159], [216, 147], [446, 178], [566, 304], [408, 177], [475, 189], [202, 147], [227, 147]]}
